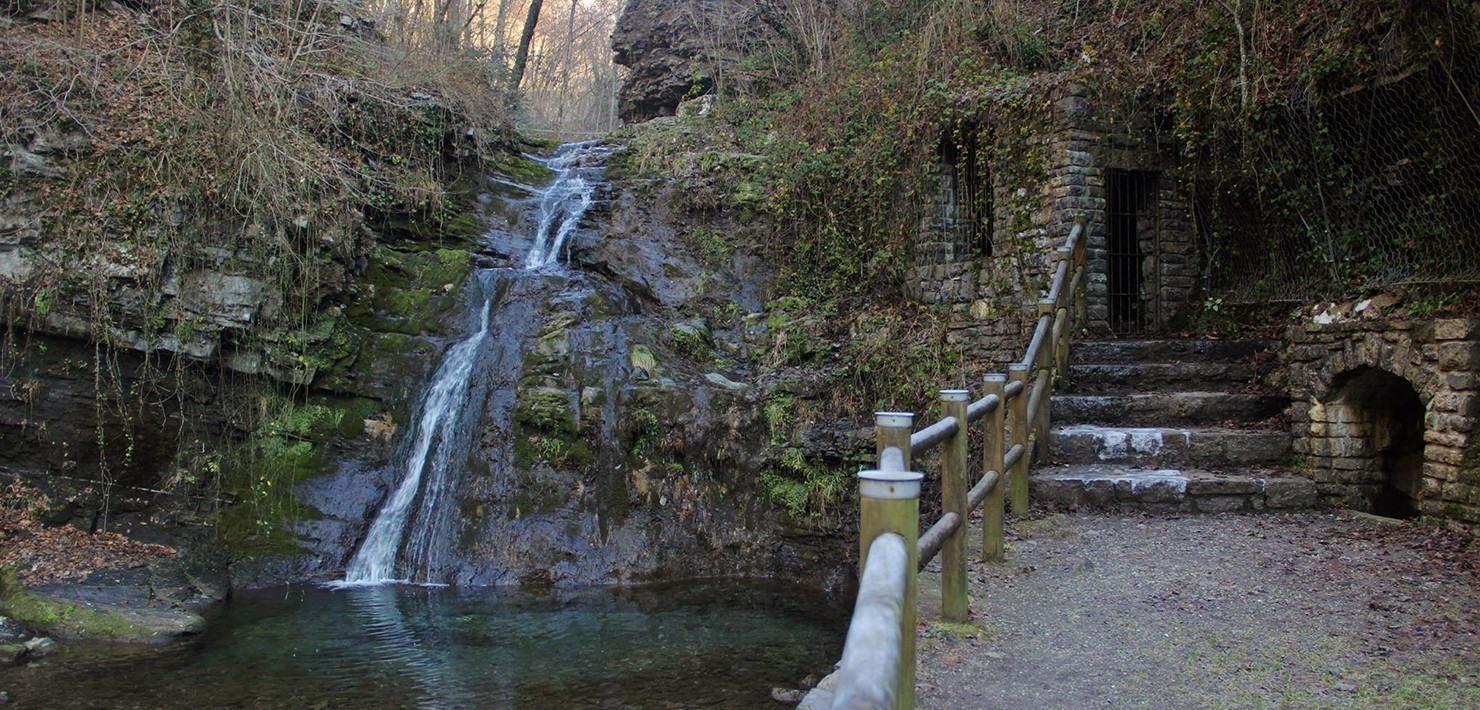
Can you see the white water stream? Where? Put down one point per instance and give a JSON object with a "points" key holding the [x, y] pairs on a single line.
{"points": [[426, 478], [564, 202]]}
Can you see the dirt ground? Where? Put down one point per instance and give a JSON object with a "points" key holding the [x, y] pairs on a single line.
{"points": [[1229, 611]]}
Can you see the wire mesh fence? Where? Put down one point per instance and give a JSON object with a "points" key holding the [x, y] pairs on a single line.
{"points": [[1373, 187]]}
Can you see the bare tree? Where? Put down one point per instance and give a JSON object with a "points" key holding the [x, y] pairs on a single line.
{"points": [[521, 58]]}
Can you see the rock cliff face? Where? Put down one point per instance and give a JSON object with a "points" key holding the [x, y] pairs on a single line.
{"points": [[679, 49], [625, 432], [628, 437]]}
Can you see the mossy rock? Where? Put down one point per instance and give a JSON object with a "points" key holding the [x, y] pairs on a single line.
{"points": [[522, 170], [551, 349], [72, 621], [388, 369], [547, 409], [412, 291], [693, 341], [549, 432], [643, 361]]}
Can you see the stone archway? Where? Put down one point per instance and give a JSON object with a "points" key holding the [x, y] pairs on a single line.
{"points": [[1377, 420], [1376, 398]]}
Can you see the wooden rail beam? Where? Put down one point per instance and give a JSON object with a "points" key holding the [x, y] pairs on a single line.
{"points": [[1081, 303], [932, 540], [937, 433], [1061, 343], [868, 673], [1031, 357], [982, 407]]}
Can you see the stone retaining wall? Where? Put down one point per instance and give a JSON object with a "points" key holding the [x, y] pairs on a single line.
{"points": [[1346, 446]]}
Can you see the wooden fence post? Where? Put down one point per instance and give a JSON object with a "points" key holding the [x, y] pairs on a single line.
{"points": [[889, 502], [1018, 428], [953, 488], [1045, 362], [1077, 274], [992, 508], [893, 429]]}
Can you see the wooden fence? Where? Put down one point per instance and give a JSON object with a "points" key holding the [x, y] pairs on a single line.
{"points": [[878, 667]]}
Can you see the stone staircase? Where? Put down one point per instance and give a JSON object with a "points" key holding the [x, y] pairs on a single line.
{"points": [[1170, 425]]}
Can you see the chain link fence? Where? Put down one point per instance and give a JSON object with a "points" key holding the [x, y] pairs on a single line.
{"points": [[1372, 187]]}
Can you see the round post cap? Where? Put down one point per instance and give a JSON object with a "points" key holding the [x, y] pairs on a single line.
{"points": [[894, 420], [889, 485]]}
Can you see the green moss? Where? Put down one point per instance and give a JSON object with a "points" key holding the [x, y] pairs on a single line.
{"points": [[464, 229], [780, 411], [692, 342], [413, 290], [641, 358], [287, 447], [521, 169], [548, 431], [330, 344], [347, 414], [548, 410], [63, 619], [644, 431], [805, 487]]}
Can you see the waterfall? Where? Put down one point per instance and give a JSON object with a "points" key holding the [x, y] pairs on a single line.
{"points": [[444, 400], [565, 201], [441, 435]]}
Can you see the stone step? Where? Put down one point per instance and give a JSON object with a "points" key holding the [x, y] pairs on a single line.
{"points": [[1161, 376], [1165, 409], [1123, 488], [1167, 350], [1201, 447]]}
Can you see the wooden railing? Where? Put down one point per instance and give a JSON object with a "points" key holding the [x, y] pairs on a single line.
{"points": [[878, 666]]}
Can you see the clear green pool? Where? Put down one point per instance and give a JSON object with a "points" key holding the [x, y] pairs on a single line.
{"points": [[697, 645]]}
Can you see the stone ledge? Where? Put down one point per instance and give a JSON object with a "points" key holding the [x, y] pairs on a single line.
{"points": [[1170, 490]]}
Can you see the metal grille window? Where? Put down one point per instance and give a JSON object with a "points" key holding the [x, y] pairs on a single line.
{"points": [[1130, 239], [964, 217]]}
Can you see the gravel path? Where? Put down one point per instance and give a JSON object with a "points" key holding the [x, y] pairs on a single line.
{"points": [[1276, 611]]}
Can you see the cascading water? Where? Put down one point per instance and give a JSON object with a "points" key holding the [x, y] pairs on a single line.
{"points": [[444, 418], [564, 202], [444, 400]]}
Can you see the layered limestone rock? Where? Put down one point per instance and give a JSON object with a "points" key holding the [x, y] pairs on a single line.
{"points": [[682, 49]]}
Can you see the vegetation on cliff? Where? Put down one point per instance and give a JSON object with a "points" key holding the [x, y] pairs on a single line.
{"points": [[823, 148], [1235, 88], [264, 189]]}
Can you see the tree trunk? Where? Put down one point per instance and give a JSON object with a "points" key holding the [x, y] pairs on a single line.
{"points": [[522, 57], [570, 57], [498, 33]]}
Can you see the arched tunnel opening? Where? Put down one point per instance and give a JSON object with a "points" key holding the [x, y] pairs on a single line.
{"points": [[1386, 411]]}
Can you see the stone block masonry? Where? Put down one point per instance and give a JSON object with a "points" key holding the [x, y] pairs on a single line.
{"points": [[990, 292], [1348, 370]]}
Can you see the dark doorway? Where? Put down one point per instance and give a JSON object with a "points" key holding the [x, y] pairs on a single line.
{"points": [[1391, 413], [1130, 221]]}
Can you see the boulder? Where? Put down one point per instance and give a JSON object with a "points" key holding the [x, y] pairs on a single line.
{"points": [[682, 49]]}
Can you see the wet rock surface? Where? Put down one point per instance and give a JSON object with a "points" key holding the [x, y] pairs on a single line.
{"points": [[621, 432], [161, 602]]}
